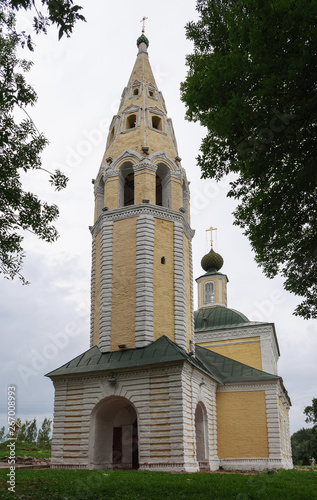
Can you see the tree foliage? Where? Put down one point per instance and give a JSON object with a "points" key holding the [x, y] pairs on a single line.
{"points": [[303, 446], [304, 441], [21, 144], [311, 413], [27, 431], [252, 84], [43, 438]]}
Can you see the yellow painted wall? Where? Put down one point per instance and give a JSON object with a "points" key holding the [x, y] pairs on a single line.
{"points": [[123, 284], [247, 352], [163, 279], [95, 337], [188, 299], [242, 425], [144, 186]]}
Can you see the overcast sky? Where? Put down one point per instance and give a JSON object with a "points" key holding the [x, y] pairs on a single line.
{"points": [[79, 83]]}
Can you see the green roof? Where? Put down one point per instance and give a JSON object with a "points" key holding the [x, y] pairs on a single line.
{"points": [[162, 350], [216, 317]]}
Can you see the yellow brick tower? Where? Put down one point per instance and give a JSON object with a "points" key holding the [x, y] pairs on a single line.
{"points": [[141, 236]]}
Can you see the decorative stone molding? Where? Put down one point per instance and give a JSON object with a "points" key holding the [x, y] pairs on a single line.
{"points": [[179, 286], [135, 85], [126, 155], [144, 165], [133, 108], [155, 111], [256, 464], [144, 280], [144, 209], [162, 156], [151, 91], [251, 386], [105, 285]]}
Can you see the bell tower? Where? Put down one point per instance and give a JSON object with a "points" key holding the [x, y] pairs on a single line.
{"points": [[141, 285]]}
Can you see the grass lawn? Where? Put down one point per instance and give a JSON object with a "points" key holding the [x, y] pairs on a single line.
{"points": [[145, 485], [24, 450]]}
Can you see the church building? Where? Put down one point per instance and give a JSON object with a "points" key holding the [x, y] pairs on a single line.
{"points": [[162, 387]]}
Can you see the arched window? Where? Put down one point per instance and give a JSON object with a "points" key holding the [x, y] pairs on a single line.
{"points": [[163, 186], [129, 189], [201, 433], [126, 185], [209, 292]]}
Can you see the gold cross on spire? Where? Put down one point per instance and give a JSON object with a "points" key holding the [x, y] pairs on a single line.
{"points": [[211, 229], [143, 20]]}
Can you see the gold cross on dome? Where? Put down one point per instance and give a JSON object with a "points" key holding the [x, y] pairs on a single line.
{"points": [[143, 20], [211, 229]]}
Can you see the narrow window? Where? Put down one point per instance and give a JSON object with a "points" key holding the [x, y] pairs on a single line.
{"points": [[158, 191], [136, 92], [156, 122], [151, 93], [131, 121], [209, 293], [129, 189], [163, 260]]}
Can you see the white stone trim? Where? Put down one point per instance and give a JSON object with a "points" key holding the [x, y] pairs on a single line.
{"points": [[156, 112], [92, 289], [248, 386], [105, 285], [192, 292], [144, 209], [135, 85], [144, 280], [132, 109], [179, 287], [161, 156], [253, 464], [150, 86]]}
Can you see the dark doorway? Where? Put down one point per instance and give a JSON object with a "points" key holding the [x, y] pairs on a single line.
{"points": [[117, 446]]}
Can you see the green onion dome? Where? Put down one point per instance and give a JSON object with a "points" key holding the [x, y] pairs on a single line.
{"points": [[212, 261], [142, 39]]}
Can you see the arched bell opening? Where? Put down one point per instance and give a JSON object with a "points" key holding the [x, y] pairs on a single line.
{"points": [[114, 435], [163, 186], [126, 185]]}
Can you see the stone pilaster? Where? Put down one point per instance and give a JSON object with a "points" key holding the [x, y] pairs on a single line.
{"points": [[144, 280], [105, 285]]}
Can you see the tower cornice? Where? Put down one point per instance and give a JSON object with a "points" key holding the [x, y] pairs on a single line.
{"points": [[142, 209]]}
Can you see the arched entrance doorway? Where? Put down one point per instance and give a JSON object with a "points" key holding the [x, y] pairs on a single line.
{"points": [[201, 434], [114, 435]]}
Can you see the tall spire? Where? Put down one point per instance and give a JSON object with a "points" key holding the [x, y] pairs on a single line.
{"points": [[141, 123]]}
